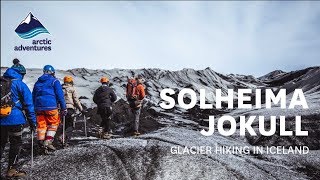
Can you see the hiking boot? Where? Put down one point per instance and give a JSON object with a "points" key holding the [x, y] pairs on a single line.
{"points": [[106, 135], [42, 149], [12, 172], [136, 133], [100, 133], [48, 145], [65, 144], [109, 133], [60, 139]]}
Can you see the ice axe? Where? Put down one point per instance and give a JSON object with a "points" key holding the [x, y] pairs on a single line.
{"points": [[74, 121], [32, 134], [32, 142], [63, 130], [85, 125], [75, 118]]}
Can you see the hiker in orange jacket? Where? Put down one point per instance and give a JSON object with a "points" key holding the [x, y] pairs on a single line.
{"points": [[135, 94]]}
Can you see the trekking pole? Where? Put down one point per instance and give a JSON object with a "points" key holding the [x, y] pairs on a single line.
{"points": [[63, 130], [32, 134], [74, 121], [85, 125]]}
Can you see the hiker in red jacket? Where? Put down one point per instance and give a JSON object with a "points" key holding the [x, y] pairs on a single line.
{"points": [[135, 94]]}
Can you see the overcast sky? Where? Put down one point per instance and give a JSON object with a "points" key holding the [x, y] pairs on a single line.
{"points": [[230, 37]]}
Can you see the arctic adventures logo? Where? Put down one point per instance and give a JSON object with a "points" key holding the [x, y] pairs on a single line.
{"points": [[29, 28]]}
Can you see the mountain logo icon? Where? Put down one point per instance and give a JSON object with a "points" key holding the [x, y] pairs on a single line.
{"points": [[30, 27]]}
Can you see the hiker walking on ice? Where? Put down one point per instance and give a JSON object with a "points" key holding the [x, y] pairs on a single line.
{"points": [[104, 97], [135, 94], [73, 103], [16, 98], [48, 96]]}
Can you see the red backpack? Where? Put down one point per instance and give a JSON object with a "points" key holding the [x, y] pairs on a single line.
{"points": [[131, 89]]}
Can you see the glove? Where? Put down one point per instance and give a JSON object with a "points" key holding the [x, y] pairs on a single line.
{"points": [[64, 112], [138, 103], [32, 127]]}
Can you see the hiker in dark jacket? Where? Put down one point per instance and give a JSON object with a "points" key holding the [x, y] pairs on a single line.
{"points": [[11, 126], [104, 97]]}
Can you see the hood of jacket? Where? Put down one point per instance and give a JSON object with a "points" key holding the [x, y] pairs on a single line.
{"points": [[45, 77], [12, 74]]}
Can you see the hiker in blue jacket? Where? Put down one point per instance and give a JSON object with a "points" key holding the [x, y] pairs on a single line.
{"points": [[12, 125], [48, 96]]}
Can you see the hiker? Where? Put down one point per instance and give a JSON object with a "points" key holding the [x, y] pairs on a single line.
{"points": [[73, 103], [135, 94], [47, 95], [104, 96], [16, 98]]}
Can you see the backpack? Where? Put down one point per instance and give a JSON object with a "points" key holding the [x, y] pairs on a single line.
{"points": [[131, 89], [6, 100], [104, 93]]}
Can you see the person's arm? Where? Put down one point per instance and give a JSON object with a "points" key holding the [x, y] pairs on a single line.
{"points": [[27, 103], [76, 100], [95, 96], [34, 94], [113, 96], [141, 91], [127, 90], [59, 94]]}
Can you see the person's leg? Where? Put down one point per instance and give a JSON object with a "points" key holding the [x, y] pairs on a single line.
{"points": [[41, 126], [108, 113], [53, 120], [41, 131], [104, 118], [104, 133], [3, 139], [136, 119], [101, 128], [100, 112], [15, 139], [133, 118], [69, 123], [102, 124]]}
